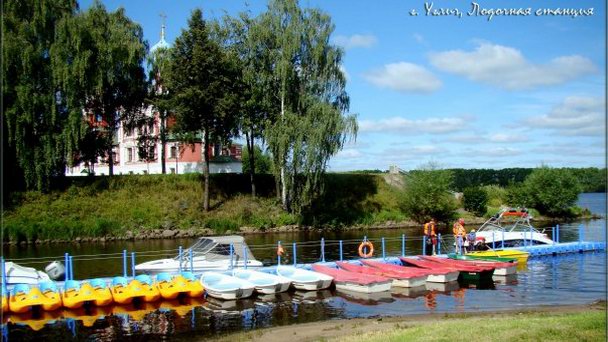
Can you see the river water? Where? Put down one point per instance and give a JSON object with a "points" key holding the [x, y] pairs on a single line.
{"points": [[558, 280]]}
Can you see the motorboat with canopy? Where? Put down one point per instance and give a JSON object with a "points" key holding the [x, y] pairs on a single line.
{"points": [[215, 253], [513, 227]]}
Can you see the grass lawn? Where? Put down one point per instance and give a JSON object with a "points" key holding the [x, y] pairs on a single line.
{"points": [[583, 326]]}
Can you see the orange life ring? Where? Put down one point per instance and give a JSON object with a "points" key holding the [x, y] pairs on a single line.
{"points": [[370, 247]]}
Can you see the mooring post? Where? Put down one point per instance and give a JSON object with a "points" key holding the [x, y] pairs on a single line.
{"points": [[231, 256], [67, 266], [439, 243], [245, 257], [383, 249], [531, 234], [502, 243], [322, 249], [295, 257], [340, 250], [403, 245], [365, 248], [423, 244], [71, 267], [4, 278], [192, 260], [180, 253], [557, 235], [493, 241], [278, 253], [133, 263], [124, 263]]}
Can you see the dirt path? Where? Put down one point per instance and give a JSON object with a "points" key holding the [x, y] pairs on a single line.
{"points": [[336, 328]]}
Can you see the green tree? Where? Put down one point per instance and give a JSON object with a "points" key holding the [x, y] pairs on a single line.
{"points": [[550, 191], [203, 77], [247, 38], [427, 196], [475, 200], [308, 100], [263, 164], [98, 66], [34, 119]]}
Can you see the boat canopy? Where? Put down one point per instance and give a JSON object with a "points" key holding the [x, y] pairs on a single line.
{"points": [[218, 248], [509, 220]]}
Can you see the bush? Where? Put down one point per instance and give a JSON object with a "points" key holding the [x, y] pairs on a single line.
{"points": [[551, 191], [426, 196], [475, 200]]}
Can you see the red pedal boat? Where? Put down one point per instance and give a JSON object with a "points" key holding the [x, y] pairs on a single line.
{"points": [[467, 273], [355, 282], [437, 275], [400, 279]]}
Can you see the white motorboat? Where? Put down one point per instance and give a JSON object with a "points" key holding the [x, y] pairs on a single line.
{"points": [[265, 283], [216, 253], [223, 286], [17, 274], [303, 279], [514, 228]]}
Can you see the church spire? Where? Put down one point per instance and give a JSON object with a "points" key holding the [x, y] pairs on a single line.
{"points": [[163, 17]]}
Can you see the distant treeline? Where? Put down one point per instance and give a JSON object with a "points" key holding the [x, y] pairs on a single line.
{"points": [[592, 179]]}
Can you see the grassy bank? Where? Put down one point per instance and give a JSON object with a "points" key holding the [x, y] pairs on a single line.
{"points": [[91, 207], [549, 323], [583, 326]]}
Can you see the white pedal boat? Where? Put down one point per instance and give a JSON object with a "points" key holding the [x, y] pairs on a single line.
{"points": [[303, 279], [223, 286], [265, 283]]}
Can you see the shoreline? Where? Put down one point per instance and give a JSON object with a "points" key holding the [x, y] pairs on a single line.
{"points": [[334, 329], [171, 233]]}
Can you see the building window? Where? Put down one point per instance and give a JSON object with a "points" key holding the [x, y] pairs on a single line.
{"points": [[173, 152], [129, 154]]}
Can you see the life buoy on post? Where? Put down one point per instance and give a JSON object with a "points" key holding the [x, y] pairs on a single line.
{"points": [[370, 248]]}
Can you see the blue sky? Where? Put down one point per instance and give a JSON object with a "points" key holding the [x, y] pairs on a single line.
{"points": [[513, 91]]}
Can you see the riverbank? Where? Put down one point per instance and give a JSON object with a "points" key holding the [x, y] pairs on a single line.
{"points": [[169, 206], [547, 323]]}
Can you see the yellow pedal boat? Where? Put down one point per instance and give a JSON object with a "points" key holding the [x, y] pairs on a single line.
{"points": [[124, 292], [103, 295], [24, 298], [151, 292], [171, 287], [76, 294], [521, 256]]}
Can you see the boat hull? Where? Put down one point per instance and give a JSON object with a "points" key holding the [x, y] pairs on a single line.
{"points": [[520, 256], [363, 288]]}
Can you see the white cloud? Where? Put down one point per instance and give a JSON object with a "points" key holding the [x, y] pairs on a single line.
{"points": [[575, 116], [403, 125], [507, 138], [496, 152], [404, 77], [355, 41], [506, 67]]}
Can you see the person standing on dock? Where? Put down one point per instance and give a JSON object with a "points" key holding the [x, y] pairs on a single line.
{"points": [[459, 235], [430, 232]]}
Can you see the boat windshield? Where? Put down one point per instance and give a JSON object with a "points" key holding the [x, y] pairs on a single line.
{"points": [[509, 221], [219, 248]]}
